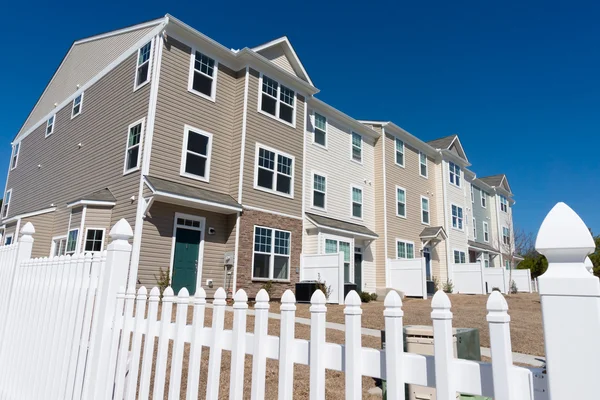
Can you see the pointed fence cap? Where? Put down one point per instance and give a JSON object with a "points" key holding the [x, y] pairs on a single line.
{"points": [[318, 298], [392, 300], [240, 296], [142, 291], [353, 299], [183, 295], [564, 237], [28, 229], [497, 302], [288, 297], [440, 301], [154, 294], [121, 230], [168, 294]]}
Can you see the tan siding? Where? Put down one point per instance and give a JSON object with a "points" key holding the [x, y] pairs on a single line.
{"points": [[380, 256], [276, 55], [75, 220], [235, 153], [98, 218], [42, 238], [10, 230], [270, 132]]}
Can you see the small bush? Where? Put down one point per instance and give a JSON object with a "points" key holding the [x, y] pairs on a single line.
{"points": [[374, 296], [163, 281], [513, 287], [496, 289], [448, 286], [268, 286], [364, 297], [322, 286], [436, 283]]}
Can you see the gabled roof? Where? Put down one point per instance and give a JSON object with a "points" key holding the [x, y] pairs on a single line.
{"points": [[281, 52], [432, 232], [482, 246], [450, 143], [497, 181], [99, 195]]}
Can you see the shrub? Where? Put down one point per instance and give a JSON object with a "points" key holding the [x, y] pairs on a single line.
{"points": [[268, 286], [448, 286], [374, 296], [436, 283], [513, 287], [496, 289], [364, 297], [163, 281], [322, 286]]}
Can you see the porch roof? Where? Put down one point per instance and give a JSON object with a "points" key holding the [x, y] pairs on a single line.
{"points": [[433, 232], [102, 197], [482, 247], [337, 225]]}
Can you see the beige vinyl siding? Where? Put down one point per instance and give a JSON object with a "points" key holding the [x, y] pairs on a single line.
{"points": [[235, 152], [98, 218], [177, 107], [56, 170], [157, 241], [277, 56], [75, 220], [311, 243], [42, 238], [458, 196], [272, 133], [439, 258], [380, 256], [10, 230]]}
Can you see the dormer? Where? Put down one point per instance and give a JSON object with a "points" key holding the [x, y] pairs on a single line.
{"points": [[451, 148], [281, 53]]}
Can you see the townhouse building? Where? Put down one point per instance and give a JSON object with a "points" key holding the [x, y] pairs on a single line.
{"points": [[229, 169]]}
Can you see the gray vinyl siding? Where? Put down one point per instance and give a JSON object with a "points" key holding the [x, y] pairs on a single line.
{"points": [[42, 238], [56, 170], [98, 218], [482, 214], [280, 136], [177, 107]]}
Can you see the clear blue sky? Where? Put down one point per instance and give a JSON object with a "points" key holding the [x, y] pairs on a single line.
{"points": [[520, 83]]}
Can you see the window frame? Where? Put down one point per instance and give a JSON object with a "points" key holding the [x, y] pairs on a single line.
{"points": [[6, 204], [278, 100], [362, 202], [12, 239], [461, 260], [127, 147], [483, 197], [275, 172], [503, 204], [428, 211], [396, 151], [312, 191], [405, 202], [406, 242], [76, 250], [506, 237], [486, 232], [73, 114], [352, 133], [14, 156], [184, 153], [462, 218], [53, 118], [421, 164], [53, 245], [85, 239], [474, 228], [137, 66], [213, 88], [271, 254], [507, 264], [452, 173], [314, 126]]}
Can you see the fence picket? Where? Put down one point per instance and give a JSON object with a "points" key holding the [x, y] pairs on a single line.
{"points": [[286, 343], [259, 354], [136, 344], [149, 344], [183, 299], [394, 345], [502, 362], [353, 347], [317, 345], [163, 344], [443, 347], [113, 349], [216, 346], [123, 352], [238, 345], [44, 266], [196, 344]]}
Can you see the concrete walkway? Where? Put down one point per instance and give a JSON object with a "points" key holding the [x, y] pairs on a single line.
{"points": [[485, 351]]}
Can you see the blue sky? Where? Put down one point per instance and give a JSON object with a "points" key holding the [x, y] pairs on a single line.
{"points": [[518, 82]]}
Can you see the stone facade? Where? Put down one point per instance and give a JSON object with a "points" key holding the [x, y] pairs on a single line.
{"points": [[248, 220]]}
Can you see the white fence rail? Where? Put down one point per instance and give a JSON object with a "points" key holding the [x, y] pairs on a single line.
{"points": [[408, 276], [469, 278], [328, 268]]}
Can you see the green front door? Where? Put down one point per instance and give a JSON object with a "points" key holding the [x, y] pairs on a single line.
{"points": [[185, 261]]}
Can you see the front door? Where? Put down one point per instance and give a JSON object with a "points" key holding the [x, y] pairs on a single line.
{"points": [[185, 260], [358, 268], [427, 255]]}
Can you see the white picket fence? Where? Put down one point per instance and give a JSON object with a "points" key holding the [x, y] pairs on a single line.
{"points": [[408, 276], [42, 349]]}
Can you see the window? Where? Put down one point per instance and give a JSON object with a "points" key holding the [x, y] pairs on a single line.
{"points": [[277, 100], [320, 128], [356, 147], [507, 264], [335, 246], [274, 172], [271, 254], [357, 202], [459, 257], [483, 199], [405, 250], [423, 165], [319, 191], [132, 151], [202, 75], [503, 204], [454, 174], [400, 202], [77, 105], [486, 234], [8, 240], [50, 125], [486, 263], [506, 235], [6, 203], [424, 210], [472, 194], [94, 239], [72, 241], [399, 152], [474, 229], [457, 217], [59, 246], [195, 161], [142, 74], [15, 155]]}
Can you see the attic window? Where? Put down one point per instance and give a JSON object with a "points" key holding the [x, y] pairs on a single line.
{"points": [[203, 76], [50, 125], [77, 106], [277, 100], [142, 75]]}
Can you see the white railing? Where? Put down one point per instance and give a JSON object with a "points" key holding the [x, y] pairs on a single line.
{"points": [[408, 276], [328, 268]]}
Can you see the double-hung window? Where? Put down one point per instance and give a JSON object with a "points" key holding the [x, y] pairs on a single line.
{"points": [[503, 204], [506, 235], [474, 229], [404, 249], [459, 257], [142, 72], [132, 150], [425, 210], [457, 217], [454, 174], [50, 125], [319, 191], [486, 263], [14, 158], [356, 147], [400, 202], [274, 171], [203, 75], [77, 105], [320, 130], [423, 165], [271, 258], [486, 232], [277, 100], [6, 203], [357, 202], [399, 152], [195, 161], [335, 246], [483, 199], [94, 239], [72, 241]]}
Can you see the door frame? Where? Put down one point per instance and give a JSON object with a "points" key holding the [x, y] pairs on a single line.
{"points": [[202, 221], [362, 262], [427, 250], [345, 239]]}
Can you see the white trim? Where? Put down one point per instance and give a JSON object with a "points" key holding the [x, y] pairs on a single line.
{"points": [[454, 250], [272, 255], [235, 254], [94, 229], [30, 214], [14, 156], [53, 244], [344, 239], [396, 140], [426, 176], [158, 193], [304, 131], [53, 118], [405, 200], [362, 201], [140, 149], [137, 65], [449, 270], [91, 203], [385, 222], [277, 102], [349, 233], [462, 218], [17, 229], [243, 144], [486, 230], [7, 204], [352, 133], [428, 210], [474, 228], [185, 151], [73, 115], [483, 198], [271, 212], [460, 177], [275, 172], [121, 31], [76, 241], [285, 40], [314, 126], [200, 262], [81, 226], [213, 88], [314, 173], [399, 240]]}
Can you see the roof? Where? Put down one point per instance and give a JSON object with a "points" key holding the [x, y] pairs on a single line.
{"points": [[482, 246], [166, 186], [432, 232], [336, 224], [403, 134], [442, 143], [497, 181], [98, 195], [290, 54]]}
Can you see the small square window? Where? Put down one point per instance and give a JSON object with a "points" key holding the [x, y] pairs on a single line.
{"points": [[94, 239]]}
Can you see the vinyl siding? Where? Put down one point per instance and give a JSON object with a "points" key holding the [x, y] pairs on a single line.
{"points": [[460, 197], [10, 230], [75, 220], [440, 263], [42, 238], [272, 133], [277, 56], [481, 215], [505, 221], [380, 257]]}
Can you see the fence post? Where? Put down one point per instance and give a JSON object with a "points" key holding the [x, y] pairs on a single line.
{"points": [[482, 271], [424, 278], [443, 346], [341, 279], [570, 299], [113, 276], [502, 361]]}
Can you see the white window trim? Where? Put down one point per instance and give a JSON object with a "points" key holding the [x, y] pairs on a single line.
{"points": [[426, 176], [450, 172], [405, 202], [505, 204], [428, 210], [184, 152], [94, 229], [213, 90], [272, 254], [14, 155], [338, 239], [314, 126], [137, 168], [463, 217], [362, 202], [137, 59], [405, 242], [483, 197], [503, 236], [312, 190], [276, 117], [474, 228], [277, 152], [396, 140], [73, 115], [362, 148], [5, 214], [53, 118], [77, 241], [202, 227], [53, 244], [459, 251], [486, 232]]}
